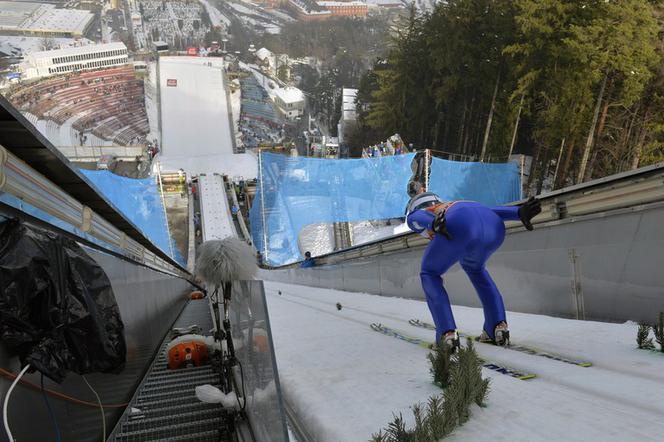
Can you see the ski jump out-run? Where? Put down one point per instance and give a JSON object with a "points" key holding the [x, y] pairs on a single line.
{"points": [[350, 358]]}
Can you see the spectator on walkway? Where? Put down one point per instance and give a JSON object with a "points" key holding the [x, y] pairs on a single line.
{"points": [[197, 222], [308, 261]]}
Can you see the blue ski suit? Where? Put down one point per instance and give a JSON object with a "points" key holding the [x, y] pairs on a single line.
{"points": [[477, 231]]}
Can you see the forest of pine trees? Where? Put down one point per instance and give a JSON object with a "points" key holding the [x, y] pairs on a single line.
{"points": [[577, 84]]}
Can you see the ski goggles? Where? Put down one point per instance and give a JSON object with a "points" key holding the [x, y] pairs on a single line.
{"points": [[423, 201]]}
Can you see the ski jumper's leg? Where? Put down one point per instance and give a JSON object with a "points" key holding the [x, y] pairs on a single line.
{"points": [[439, 256], [473, 262]]}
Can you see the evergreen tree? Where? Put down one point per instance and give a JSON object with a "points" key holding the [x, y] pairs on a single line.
{"points": [[583, 79]]}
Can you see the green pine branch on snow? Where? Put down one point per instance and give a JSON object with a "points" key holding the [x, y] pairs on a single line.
{"points": [[643, 340], [441, 363], [659, 331], [461, 373]]}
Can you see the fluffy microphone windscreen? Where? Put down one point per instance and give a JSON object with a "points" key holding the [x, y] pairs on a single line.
{"points": [[229, 259]]}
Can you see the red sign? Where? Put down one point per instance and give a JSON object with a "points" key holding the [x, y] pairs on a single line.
{"points": [[171, 82], [192, 51]]}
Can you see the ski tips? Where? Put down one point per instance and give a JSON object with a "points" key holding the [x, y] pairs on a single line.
{"points": [[527, 376]]}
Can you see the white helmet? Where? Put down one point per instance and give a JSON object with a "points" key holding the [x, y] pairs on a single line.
{"points": [[422, 201]]}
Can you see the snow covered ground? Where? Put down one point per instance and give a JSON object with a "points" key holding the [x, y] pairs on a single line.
{"points": [[196, 133], [64, 135], [20, 45], [152, 101], [216, 16], [236, 108], [345, 380]]}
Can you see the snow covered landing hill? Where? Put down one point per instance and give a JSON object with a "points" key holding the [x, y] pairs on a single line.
{"points": [[345, 381]]}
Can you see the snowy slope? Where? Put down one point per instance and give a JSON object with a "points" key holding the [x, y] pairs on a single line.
{"points": [[196, 132], [216, 17], [346, 380]]}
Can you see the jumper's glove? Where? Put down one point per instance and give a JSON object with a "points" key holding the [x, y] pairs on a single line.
{"points": [[439, 225], [528, 211]]}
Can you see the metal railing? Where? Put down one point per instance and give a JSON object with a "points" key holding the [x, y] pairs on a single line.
{"points": [[94, 153], [19, 180], [240, 218]]}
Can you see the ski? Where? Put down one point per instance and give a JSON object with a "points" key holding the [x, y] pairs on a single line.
{"points": [[515, 347], [380, 328]]}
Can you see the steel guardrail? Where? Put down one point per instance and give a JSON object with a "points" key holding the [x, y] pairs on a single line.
{"points": [[21, 181]]}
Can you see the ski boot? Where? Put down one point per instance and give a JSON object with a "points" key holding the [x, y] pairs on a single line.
{"points": [[501, 335], [451, 339]]}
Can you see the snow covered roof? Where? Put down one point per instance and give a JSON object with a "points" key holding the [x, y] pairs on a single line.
{"points": [[326, 3], [12, 14], [36, 17], [263, 53], [22, 45], [385, 3], [289, 94]]}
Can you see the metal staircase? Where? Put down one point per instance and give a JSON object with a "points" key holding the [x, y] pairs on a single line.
{"points": [[165, 407]]}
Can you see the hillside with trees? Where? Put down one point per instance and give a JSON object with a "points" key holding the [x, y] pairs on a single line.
{"points": [[578, 85]]}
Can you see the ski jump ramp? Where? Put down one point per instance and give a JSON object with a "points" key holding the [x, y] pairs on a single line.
{"points": [[596, 253], [216, 217], [196, 131]]}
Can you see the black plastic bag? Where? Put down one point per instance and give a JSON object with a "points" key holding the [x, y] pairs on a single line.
{"points": [[57, 308]]}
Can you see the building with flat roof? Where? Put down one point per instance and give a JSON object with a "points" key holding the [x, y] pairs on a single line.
{"points": [[290, 101], [62, 61], [43, 20], [345, 9], [348, 118], [308, 10], [395, 4]]}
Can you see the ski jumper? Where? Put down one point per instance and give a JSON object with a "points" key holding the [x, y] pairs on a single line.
{"points": [[476, 232]]}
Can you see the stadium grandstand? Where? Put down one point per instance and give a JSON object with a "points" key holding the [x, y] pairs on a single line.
{"points": [[61, 61], [256, 103], [259, 121], [109, 103], [43, 20]]}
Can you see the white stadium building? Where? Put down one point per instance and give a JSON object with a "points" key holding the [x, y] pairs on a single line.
{"points": [[290, 101], [61, 61]]}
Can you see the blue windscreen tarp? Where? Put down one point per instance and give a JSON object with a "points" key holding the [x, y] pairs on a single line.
{"points": [[491, 184], [140, 202], [300, 191]]}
